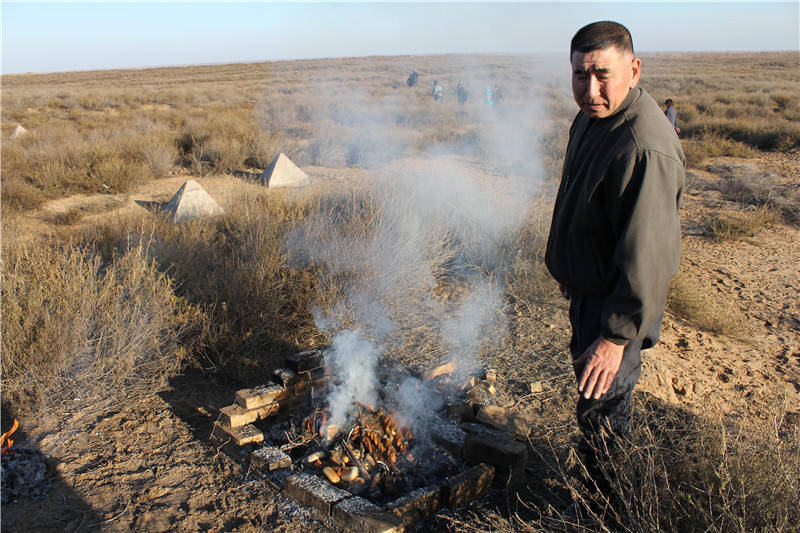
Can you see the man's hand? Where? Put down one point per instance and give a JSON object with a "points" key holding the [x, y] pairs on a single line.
{"points": [[602, 360]]}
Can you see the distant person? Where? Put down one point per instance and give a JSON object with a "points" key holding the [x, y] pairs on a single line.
{"points": [[672, 114], [412, 79], [438, 93], [497, 95], [487, 96], [462, 94], [615, 235]]}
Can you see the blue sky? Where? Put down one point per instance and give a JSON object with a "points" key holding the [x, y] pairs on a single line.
{"points": [[62, 36]]}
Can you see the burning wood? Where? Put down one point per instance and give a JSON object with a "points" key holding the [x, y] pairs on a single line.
{"points": [[368, 453]]}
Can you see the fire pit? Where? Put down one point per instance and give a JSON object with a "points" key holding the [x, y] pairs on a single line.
{"points": [[24, 471], [377, 466]]}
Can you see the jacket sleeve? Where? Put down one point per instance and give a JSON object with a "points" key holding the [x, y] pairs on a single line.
{"points": [[642, 202]]}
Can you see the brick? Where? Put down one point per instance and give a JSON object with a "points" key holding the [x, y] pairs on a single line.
{"points": [[505, 420], [448, 435], [313, 492], [240, 436], [305, 361], [269, 458], [289, 378], [262, 395], [237, 453], [468, 485], [235, 415], [460, 410], [359, 515], [418, 505], [295, 402], [509, 457], [479, 395]]}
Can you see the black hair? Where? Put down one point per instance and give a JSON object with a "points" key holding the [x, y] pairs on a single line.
{"points": [[601, 35]]}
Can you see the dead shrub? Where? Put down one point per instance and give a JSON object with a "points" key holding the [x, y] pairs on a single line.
{"points": [[737, 226], [159, 158], [709, 145], [327, 148], [68, 218], [693, 303], [16, 195], [712, 473], [748, 185], [115, 175], [224, 154], [76, 327]]}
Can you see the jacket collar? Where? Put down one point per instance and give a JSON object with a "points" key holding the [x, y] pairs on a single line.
{"points": [[633, 95]]}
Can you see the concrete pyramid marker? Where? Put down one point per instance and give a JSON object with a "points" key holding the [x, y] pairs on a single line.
{"points": [[191, 202], [283, 173], [19, 131]]}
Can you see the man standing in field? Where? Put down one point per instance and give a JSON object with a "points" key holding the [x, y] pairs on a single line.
{"points": [[438, 93], [672, 114], [614, 240]]}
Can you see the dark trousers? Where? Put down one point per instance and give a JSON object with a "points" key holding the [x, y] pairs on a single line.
{"points": [[613, 410]]}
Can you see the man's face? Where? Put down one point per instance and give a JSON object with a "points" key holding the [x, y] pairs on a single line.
{"points": [[601, 79]]}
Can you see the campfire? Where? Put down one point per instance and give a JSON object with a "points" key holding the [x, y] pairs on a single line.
{"points": [[24, 471], [376, 461], [5, 441], [372, 456]]}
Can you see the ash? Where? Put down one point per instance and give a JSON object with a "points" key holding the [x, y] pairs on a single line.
{"points": [[24, 476]]}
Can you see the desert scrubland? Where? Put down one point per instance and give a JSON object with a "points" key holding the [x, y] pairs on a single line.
{"points": [[423, 228]]}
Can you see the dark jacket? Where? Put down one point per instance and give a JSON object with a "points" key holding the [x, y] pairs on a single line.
{"points": [[615, 232]]}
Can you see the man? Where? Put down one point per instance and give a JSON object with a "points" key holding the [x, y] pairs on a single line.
{"points": [[672, 114], [497, 95], [462, 94], [438, 93], [412, 79], [614, 240]]}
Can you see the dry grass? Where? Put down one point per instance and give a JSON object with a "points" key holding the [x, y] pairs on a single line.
{"points": [[123, 304], [692, 302], [75, 326], [677, 473], [719, 105], [738, 226]]}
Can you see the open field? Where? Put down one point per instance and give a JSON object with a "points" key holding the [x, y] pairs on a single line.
{"points": [[122, 334]]}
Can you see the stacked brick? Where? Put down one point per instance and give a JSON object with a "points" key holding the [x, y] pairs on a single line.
{"points": [[295, 385], [353, 513], [489, 437]]}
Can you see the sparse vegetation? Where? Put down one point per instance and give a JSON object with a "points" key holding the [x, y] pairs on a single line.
{"points": [[117, 306], [692, 302], [744, 224], [76, 326]]}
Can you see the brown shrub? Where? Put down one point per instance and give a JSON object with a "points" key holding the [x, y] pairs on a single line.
{"points": [[74, 327]]}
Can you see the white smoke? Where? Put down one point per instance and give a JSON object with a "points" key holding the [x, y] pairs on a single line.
{"points": [[352, 359], [442, 217]]}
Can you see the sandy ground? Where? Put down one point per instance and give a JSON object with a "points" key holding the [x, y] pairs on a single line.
{"points": [[147, 465]]}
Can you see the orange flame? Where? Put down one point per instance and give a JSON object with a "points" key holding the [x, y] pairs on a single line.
{"points": [[5, 442]]}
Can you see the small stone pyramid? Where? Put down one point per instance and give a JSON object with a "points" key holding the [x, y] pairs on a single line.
{"points": [[191, 202], [283, 173], [19, 131]]}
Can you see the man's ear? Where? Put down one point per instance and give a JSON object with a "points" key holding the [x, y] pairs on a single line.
{"points": [[636, 70]]}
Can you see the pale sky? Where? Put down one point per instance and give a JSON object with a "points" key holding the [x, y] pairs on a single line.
{"points": [[63, 36]]}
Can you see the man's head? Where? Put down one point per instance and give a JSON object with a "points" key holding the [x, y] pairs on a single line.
{"points": [[604, 68], [669, 102]]}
